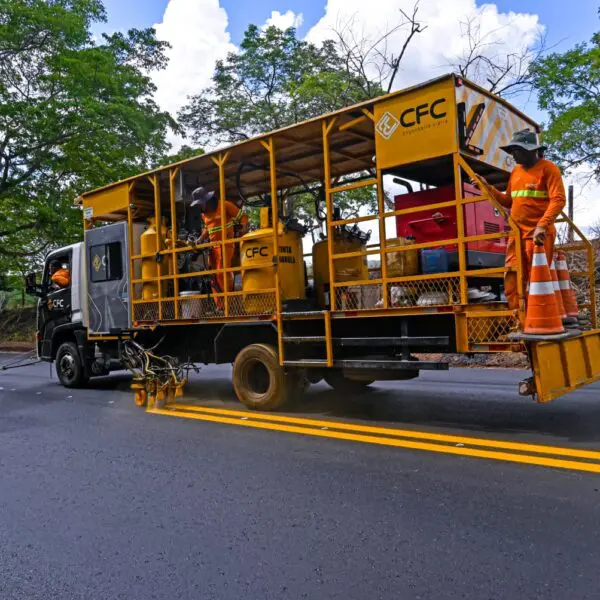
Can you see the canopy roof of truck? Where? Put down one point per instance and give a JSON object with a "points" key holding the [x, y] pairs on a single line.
{"points": [[298, 149]]}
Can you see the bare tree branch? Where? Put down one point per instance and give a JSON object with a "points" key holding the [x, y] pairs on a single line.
{"points": [[487, 62], [372, 60]]}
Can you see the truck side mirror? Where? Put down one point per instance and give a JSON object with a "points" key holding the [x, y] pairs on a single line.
{"points": [[31, 287]]}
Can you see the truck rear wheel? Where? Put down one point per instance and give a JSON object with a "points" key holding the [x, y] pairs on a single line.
{"points": [[259, 381], [340, 383], [69, 368]]}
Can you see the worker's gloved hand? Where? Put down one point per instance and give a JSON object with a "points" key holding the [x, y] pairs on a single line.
{"points": [[477, 181], [539, 236]]}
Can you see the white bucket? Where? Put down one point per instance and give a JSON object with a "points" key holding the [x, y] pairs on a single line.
{"points": [[189, 309]]}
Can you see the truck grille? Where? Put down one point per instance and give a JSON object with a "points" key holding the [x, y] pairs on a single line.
{"points": [[491, 227]]}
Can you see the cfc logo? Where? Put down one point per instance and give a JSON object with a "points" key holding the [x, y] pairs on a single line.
{"points": [[410, 117], [56, 303], [261, 251]]}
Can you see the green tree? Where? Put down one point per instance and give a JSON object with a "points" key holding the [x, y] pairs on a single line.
{"points": [[273, 81], [277, 80], [75, 113], [568, 87]]}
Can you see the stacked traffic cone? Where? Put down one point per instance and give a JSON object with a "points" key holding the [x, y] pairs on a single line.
{"points": [[543, 317], [557, 292], [566, 290]]}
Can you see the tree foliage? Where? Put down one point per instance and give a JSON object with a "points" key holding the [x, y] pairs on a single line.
{"points": [[568, 87], [75, 113], [273, 81]]}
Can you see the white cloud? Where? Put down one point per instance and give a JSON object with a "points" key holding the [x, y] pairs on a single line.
{"points": [[284, 21], [197, 32], [431, 51]]}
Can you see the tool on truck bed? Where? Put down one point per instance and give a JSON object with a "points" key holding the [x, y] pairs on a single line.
{"points": [[156, 379]]}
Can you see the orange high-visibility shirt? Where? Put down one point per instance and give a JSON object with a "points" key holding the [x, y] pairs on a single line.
{"points": [[535, 196], [61, 278], [212, 220]]}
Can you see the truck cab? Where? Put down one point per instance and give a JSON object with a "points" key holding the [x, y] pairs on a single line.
{"points": [[63, 316]]}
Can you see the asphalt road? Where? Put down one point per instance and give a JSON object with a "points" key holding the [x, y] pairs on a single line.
{"points": [[100, 500]]}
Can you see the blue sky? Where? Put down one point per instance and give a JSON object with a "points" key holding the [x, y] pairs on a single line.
{"points": [[565, 26]]}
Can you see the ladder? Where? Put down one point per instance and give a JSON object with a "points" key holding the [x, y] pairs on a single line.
{"points": [[325, 339]]}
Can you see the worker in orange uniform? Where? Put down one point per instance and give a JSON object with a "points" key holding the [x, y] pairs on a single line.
{"points": [[209, 206], [61, 277], [536, 196]]}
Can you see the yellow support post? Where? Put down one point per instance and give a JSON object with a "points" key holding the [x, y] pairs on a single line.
{"points": [[326, 127], [382, 238], [172, 192], [460, 227], [328, 341], [220, 162], [270, 148], [159, 244], [130, 245]]}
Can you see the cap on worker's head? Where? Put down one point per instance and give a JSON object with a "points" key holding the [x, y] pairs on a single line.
{"points": [[201, 198], [525, 139]]}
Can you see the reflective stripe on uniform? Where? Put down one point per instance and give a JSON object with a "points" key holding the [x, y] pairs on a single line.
{"points": [[218, 228], [528, 194], [541, 288]]}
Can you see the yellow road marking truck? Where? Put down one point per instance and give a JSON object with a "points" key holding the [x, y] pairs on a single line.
{"points": [[367, 304]]}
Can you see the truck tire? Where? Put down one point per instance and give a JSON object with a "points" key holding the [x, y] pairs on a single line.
{"points": [[69, 368], [259, 381], [340, 383]]}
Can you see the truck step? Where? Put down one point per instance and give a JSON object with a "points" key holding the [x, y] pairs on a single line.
{"points": [[305, 339], [391, 365], [313, 314], [391, 341], [306, 363]]}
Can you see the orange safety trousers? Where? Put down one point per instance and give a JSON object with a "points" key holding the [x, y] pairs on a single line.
{"points": [[216, 263], [510, 279]]}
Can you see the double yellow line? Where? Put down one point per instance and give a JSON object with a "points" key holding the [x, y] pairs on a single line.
{"points": [[533, 454]]}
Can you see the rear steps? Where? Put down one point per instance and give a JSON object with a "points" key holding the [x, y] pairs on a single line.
{"points": [[325, 315], [400, 364]]}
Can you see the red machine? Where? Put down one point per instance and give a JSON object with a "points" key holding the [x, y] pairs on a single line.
{"points": [[440, 224]]}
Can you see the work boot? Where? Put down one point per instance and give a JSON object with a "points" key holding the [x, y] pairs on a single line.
{"points": [[527, 387]]}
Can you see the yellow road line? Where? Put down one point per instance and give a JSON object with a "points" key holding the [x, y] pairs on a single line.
{"points": [[406, 433], [386, 441]]}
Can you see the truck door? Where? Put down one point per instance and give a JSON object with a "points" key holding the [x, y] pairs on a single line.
{"points": [[55, 307], [107, 258]]}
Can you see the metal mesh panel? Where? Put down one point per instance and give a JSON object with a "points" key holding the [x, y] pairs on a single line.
{"points": [[146, 311], [168, 310], [575, 251], [252, 305], [358, 297], [428, 292], [191, 309], [490, 329]]}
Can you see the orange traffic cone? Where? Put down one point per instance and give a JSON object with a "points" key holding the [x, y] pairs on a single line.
{"points": [[557, 292], [564, 281], [542, 317]]}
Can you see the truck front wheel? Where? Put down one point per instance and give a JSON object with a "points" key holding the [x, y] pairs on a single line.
{"points": [[259, 381], [69, 368]]}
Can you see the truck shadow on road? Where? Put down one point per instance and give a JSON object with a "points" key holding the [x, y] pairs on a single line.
{"points": [[441, 409]]}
